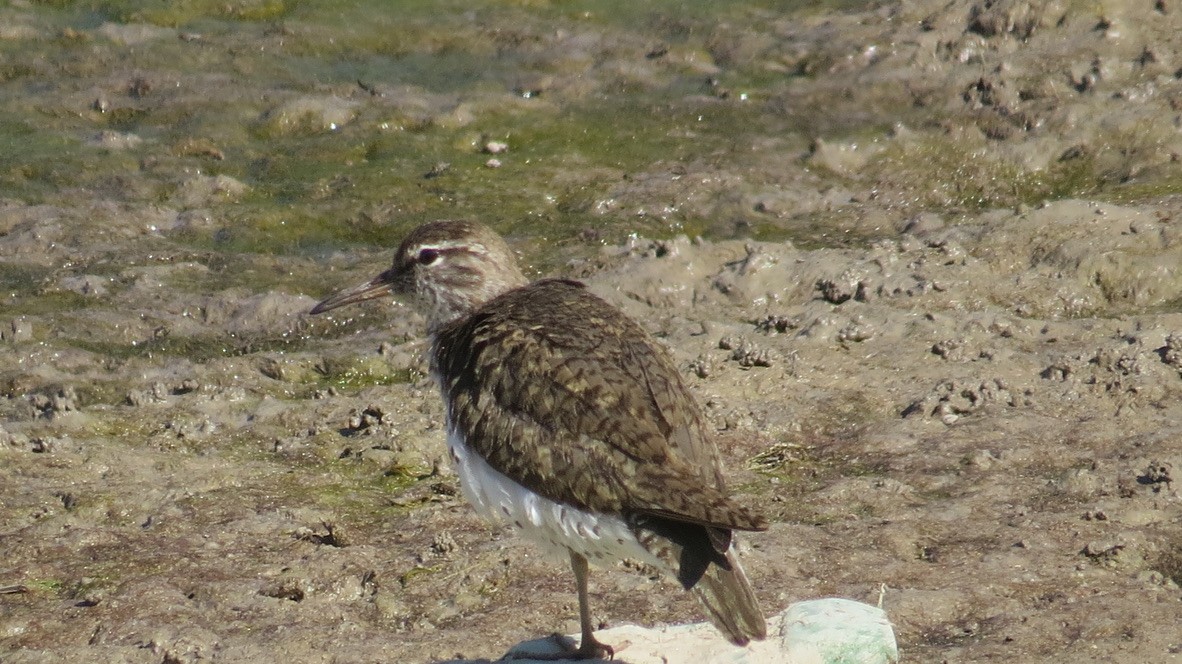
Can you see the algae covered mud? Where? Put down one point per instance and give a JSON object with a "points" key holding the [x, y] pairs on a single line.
{"points": [[934, 315]]}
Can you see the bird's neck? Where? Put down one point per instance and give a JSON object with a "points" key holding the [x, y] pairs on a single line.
{"points": [[447, 305]]}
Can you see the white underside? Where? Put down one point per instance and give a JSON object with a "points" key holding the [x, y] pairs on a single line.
{"points": [[556, 527]]}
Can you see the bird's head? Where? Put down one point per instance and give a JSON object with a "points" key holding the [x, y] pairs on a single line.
{"points": [[450, 268]]}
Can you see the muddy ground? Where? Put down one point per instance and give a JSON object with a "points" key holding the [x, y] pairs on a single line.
{"points": [[948, 367]]}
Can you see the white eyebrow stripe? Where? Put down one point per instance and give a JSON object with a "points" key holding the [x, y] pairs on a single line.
{"points": [[449, 245]]}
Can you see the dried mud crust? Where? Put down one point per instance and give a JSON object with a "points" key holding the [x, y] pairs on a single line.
{"points": [[977, 409], [1013, 481]]}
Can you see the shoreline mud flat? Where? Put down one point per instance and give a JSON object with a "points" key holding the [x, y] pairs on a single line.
{"points": [[949, 364]]}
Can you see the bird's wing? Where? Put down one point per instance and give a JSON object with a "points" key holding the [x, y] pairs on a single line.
{"points": [[591, 414]]}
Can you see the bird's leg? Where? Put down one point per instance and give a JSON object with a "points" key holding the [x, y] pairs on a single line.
{"points": [[589, 648]]}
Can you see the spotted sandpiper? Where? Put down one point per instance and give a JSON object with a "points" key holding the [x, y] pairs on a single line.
{"points": [[568, 422]]}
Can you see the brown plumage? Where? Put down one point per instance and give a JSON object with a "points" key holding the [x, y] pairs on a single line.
{"points": [[567, 420]]}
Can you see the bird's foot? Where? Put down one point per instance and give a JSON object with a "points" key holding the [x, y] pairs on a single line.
{"points": [[588, 649]]}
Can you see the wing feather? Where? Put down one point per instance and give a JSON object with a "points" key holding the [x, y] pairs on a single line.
{"points": [[594, 414]]}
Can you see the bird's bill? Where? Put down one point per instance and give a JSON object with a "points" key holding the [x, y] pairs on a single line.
{"points": [[383, 284]]}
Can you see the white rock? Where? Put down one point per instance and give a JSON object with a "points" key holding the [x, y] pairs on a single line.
{"points": [[823, 631]]}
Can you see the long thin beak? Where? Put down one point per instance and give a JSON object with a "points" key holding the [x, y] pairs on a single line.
{"points": [[383, 284]]}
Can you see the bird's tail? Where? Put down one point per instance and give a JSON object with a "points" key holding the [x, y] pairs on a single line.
{"points": [[703, 559], [730, 603]]}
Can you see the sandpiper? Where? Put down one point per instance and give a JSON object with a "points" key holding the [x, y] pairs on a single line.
{"points": [[568, 422]]}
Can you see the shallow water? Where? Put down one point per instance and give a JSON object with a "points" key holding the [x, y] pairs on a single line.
{"points": [[323, 110]]}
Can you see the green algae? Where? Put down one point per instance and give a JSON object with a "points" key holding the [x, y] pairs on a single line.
{"points": [[55, 302], [364, 183], [359, 496], [21, 278], [197, 349], [1166, 182], [48, 586], [355, 372], [300, 204], [945, 172], [365, 191], [179, 13]]}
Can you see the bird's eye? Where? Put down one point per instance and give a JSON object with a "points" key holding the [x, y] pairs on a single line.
{"points": [[428, 256]]}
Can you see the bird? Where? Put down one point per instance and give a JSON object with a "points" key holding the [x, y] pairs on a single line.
{"points": [[568, 422]]}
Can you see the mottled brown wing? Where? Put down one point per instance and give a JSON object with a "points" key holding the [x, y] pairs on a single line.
{"points": [[564, 394]]}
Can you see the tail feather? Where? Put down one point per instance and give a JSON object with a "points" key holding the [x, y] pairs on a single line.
{"points": [[705, 561], [730, 603]]}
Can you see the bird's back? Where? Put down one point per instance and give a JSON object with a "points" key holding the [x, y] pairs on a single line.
{"points": [[549, 380]]}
